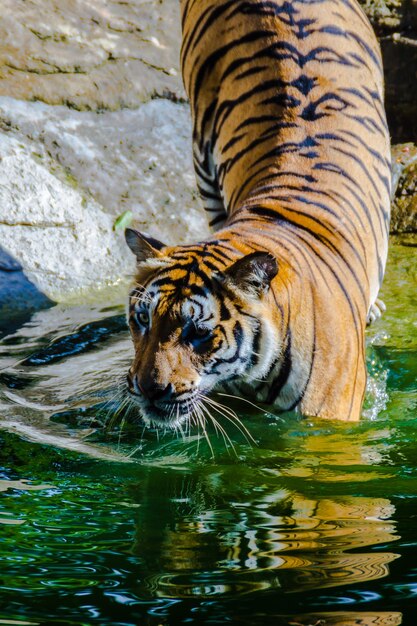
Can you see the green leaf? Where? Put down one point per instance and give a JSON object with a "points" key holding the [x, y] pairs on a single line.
{"points": [[122, 221]]}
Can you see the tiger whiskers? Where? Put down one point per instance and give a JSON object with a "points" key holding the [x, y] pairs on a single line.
{"points": [[227, 413], [113, 417], [140, 292], [231, 416], [229, 395], [178, 425], [197, 418], [201, 410], [219, 428], [200, 421], [204, 429]]}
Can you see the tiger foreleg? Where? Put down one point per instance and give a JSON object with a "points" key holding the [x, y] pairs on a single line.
{"points": [[375, 311]]}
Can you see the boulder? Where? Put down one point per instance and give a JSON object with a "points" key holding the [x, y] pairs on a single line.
{"points": [[93, 126], [67, 175]]}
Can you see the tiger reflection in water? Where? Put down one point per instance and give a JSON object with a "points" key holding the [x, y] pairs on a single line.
{"points": [[299, 543], [282, 541], [228, 530]]}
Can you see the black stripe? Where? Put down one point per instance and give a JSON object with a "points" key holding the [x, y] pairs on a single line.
{"points": [[211, 61], [284, 373]]}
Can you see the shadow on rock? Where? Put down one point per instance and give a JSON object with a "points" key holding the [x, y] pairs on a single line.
{"points": [[19, 298]]}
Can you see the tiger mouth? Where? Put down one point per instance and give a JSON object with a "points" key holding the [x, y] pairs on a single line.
{"points": [[167, 414]]}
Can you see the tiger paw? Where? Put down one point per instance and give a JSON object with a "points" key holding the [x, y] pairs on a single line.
{"points": [[375, 312]]}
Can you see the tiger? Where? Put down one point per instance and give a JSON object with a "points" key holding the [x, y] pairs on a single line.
{"points": [[292, 158]]}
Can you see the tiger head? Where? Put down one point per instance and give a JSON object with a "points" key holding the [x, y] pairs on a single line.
{"points": [[198, 316]]}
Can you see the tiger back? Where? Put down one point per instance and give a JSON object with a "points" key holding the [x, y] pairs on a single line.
{"points": [[292, 158]]}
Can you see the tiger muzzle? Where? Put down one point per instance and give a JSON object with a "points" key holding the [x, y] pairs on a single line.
{"points": [[158, 401]]}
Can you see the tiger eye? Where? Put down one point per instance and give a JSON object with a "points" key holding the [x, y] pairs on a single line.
{"points": [[143, 318]]}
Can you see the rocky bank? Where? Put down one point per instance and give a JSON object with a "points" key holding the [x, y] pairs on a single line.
{"points": [[93, 126]]}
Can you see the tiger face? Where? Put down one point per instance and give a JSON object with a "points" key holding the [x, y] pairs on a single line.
{"points": [[195, 325]]}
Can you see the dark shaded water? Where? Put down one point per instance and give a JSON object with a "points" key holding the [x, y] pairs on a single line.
{"points": [[317, 521]]}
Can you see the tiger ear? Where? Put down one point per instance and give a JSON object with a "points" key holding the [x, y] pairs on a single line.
{"points": [[143, 246], [253, 273]]}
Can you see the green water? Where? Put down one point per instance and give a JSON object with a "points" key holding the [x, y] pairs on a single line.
{"points": [[316, 521]]}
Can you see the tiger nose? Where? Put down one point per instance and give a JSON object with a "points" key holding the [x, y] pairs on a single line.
{"points": [[152, 391]]}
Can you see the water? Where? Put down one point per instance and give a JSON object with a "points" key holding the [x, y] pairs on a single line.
{"points": [[317, 521]]}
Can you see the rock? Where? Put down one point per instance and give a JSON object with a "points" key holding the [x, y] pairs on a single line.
{"points": [[400, 67], [62, 238], [385, 15], [67, 175], [395, 21], [404, 206], [117, 140], [100, 54]]}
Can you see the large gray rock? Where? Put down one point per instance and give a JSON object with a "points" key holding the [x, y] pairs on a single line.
{"points": [[67, 175], [62, 239]]}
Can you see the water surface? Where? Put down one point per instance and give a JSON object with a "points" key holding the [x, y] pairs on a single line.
{"points": [[316, 521]]}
